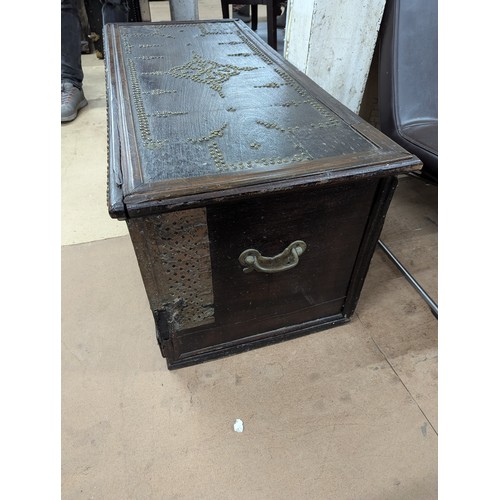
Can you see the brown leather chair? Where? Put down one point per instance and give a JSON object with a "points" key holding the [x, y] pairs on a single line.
{"points": [[408, 91], [273, 11]]}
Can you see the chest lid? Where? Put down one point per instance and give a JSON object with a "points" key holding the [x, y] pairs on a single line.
{"points": [[205, 109]]}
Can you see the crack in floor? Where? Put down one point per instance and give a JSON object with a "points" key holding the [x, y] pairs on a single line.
{"points": [[400, 379]]}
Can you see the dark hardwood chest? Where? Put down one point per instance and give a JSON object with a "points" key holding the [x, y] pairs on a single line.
{"points": [[253, 199]]}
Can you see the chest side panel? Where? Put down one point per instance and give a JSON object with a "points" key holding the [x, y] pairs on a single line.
{"points": [[331, 222], [174, 257]]}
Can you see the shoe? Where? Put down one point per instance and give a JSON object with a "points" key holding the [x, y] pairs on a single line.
{"points": [[72, 100]]}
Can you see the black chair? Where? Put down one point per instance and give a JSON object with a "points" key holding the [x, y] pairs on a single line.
{"points": [[273, 11], [408, 78], [408, 90]]}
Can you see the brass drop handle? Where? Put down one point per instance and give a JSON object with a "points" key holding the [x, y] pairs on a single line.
{"points": [[252, 260]]}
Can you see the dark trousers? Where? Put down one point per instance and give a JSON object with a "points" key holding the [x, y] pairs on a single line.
{"points": [[113, 11]]}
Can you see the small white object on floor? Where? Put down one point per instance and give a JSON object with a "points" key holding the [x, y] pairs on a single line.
{"points": [[238, 425]]}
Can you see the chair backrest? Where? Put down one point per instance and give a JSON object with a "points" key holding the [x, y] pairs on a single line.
{"points": [[408, 68], [408, 63]]}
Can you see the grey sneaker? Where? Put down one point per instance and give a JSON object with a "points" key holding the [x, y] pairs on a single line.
{"points": [[72, 100]]}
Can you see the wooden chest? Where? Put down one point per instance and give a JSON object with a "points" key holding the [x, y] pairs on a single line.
{"points": [[253, 199]]}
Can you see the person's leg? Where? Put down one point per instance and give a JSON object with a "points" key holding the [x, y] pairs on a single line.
{"points": [[72, 98], [114, 11], [71, 64]]}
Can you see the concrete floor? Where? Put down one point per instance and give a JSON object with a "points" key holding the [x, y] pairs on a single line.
{"points": [[347, 413]]}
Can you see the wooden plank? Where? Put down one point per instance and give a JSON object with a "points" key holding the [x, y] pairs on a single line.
{"points": [[332, 42]]}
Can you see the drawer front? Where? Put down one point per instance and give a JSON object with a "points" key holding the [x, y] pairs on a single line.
{"points": [[249, 301]]}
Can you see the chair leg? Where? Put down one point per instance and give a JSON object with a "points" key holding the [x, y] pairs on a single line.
{"points": [[272, 36], [432, 305], [255, 16]]}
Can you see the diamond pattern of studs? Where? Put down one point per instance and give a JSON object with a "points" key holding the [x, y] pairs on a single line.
{"points": [[210, 73]]}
